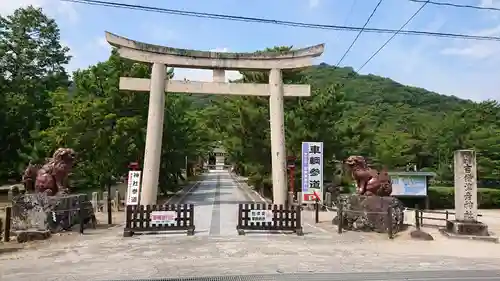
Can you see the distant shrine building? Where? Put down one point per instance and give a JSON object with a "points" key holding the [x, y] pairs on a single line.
{"points": [[217, 159]]}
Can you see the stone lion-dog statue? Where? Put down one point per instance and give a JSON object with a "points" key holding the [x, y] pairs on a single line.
{"points": [[369, 181], [51, 177]]}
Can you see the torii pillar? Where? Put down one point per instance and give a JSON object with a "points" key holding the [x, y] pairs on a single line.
{"points": [[161, 56]]}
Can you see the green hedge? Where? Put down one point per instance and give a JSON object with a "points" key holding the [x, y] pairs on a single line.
{"points": [[443, 198]]}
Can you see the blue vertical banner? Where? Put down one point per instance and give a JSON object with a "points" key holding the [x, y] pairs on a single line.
{"points": [[305, 167], [312, 171]]}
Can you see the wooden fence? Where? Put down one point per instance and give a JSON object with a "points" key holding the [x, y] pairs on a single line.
{"points": [[99, 201], [269, 217], [152, 219]]}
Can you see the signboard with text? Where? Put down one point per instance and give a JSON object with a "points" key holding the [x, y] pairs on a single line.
{"points": [[163, 217], [465, 170], [133, 187], [413, 184], [260, 216], [312, 171], [409, 185]]}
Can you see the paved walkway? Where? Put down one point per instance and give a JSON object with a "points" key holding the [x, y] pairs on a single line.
{"points": [[216, 249], [216, 200]]}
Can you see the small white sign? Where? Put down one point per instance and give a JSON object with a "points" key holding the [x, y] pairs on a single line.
{"points": [[163, 217], [134, 187], [260, 215]]}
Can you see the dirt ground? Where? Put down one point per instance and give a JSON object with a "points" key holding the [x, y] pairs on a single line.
{"points": [[103, 254], [217, 249], [118, 220], [489, 217]]}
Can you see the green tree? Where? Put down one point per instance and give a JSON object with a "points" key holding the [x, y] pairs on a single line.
{"points": [[31, 66], [107, 127], [243, 123]]}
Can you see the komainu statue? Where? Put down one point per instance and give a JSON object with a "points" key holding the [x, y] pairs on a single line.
{"points": [[369, 181], [368, 209], [46, 206], [52, 177]]}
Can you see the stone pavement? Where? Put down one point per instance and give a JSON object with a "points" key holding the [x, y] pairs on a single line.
{"points": [[113, 257], [216, 249], [216, 201]]}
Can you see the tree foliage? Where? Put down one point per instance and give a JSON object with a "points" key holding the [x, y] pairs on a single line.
{"points": [[392, 125], [105, 126], [31, 67]]}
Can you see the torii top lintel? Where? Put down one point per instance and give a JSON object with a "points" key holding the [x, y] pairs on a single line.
{"points": [[140, 51]]}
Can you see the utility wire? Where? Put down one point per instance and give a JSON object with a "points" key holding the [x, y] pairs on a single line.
{"points": [[350, 11], [359, 33], [280, 22], [392, 37], [457, 5], [346, 20]]}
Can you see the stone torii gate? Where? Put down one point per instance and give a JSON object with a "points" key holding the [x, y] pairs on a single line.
{"points": [[161, 56]]}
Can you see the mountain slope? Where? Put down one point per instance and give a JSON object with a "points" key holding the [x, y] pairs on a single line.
{"points": [[373, 89]]}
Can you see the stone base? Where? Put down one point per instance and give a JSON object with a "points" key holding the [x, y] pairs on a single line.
{"points": [[468, 230], [23, 236], [421, 235]]}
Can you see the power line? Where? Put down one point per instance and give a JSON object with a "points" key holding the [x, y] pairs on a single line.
{"points": [[348, 15], [359, 33], [280, 22], [457, 5], [350, 12], [392, 37]]}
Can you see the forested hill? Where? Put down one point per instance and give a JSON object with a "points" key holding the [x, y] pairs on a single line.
{"points": [[392, 124], [373, 89]]}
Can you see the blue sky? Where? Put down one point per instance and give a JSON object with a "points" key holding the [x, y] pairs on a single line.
{"points": [[468, 69]]}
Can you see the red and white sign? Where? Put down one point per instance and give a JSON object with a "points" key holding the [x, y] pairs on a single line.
{"points": [[163, 217], [311, 197]]}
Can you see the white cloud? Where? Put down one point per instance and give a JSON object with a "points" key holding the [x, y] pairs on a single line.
{"points": [[67, 10], [7, 7], [53, 8], [204, 75], [87, 54], [313, 3], [101, 42], [420, 64], [489, 31], [74, 62], [490, 3], [478, 49], [71, 50], [160, 34]]}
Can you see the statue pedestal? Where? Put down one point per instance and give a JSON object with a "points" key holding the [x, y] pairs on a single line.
{"points": [[23, 236], [468, 230]]}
